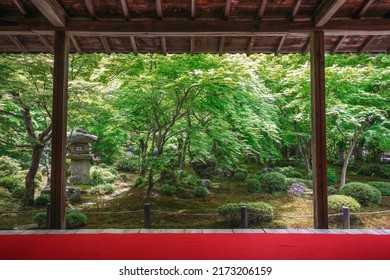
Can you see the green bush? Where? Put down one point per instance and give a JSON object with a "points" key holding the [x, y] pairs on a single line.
{"points": [[363, 193], [126, 163], [330, 175], [74, 195], [40, 219], [375, 170], [139, 181], [289, 172], [201, 191], [38, 176], [75, 220], [192, 181], [252, 185], [100, 176], [42, 200], [239, 176], [11, 182], [275, 182], [8, 166], [337, 202], [383, 187], [4, 193], [232, 214], [102, 189], [168, 189], [332, 190], [305, 182], [18, 192]]}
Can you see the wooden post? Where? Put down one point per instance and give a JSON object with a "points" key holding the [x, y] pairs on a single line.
{"points": [[244, 217], [346, 218], [59, 122], [317, 57], [147, 214], [48, 216]]}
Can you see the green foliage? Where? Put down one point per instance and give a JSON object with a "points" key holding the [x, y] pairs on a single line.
{"points": [[330, 175], [383, 187], [274, 182], [168, 189], [42, 200], [74, 195], [40, 219], [289, 172], [75, 220], [337, 202], [8, 166], [239, 176], [200, 191], [38, 176], [11, 182], [18, 192], [139, 181], [102, 189], [375, 170], [127, 163], [252, 185], [100, 176], [332, 190], [4, 193], [258, 212], [363, 193], [192, 181]]}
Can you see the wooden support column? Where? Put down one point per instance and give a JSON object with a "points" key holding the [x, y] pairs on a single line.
{"points": [[317, 57], [59, 121]]}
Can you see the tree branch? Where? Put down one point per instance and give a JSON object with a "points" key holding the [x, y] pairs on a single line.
{"points": [[4, 112]]}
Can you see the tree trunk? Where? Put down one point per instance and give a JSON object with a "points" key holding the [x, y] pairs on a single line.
{"points": [[48, 168], [346, 162], [358, 153], [340, 152], [28, 198], [150, 184]]}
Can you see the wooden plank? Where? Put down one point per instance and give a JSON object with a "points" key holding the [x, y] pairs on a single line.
{"points": [[295, 9], [134, 45], [275, 230], [249, 47], [159, 9], [306, 47], [339, 42], [317, 58], [326, 10], [59, 123], [125, 9], [163, 45], [279, 47], [248, 230], [192, 45], [90, 8], [217, 231], [105, 44], [76, 44], [193, 9], [52, 11], [21, 7], [261, 10], [132, 231], [89, 231], [46, 43], [366, 44], [63, 231], [17, 43], [221, 45], [227, 9], [363, 9]]}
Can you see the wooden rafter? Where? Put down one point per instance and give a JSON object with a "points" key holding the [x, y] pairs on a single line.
{"points": [[338, 43], [52, 11], [221, 45], [163, 45], [21, 7], [159, 9], [76, 44], [134, 45], [227, 8], [125, 9], [46, 43], [306, 46], [363, 9], [192, 45], [105, 44], [17, 43], [90, 8], [366, 44], [261, 9], [326, 10], [280, 44], [249, 47], [295, 9], [193, 9]]}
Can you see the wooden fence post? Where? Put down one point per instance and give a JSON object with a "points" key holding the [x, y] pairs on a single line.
{"points": [[346, 218], [147, 214], [244, 217]]}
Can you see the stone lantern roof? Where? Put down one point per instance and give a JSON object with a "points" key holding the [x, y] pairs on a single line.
{"points": [[81, 136]]}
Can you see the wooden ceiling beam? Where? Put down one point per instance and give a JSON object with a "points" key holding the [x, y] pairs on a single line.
{"points": [[90, 8], [306, 47], [227, 9], [134, 45], [159, 9], [105, 44], [125, 9], [163, 45], [326, 10], [21, 7], [192, 45], [76, 44], [280, 44], [366, 44], [249, 48], [221, 45], [193, 9], [338, 43], [261, 10], [52, 11], [46, 43], [363, 9], [17, 43], [295, 9]]}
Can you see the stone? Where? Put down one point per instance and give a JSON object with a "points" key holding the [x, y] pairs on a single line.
{"points": [[297, 189], [204, 168], [206, 183], [74, 194]]}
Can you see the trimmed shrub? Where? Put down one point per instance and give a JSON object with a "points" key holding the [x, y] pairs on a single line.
{"points": [[383, 187], [102, 189], [192, 181], [252, 185], [126, 163], [266, 170], [8, 166], [139, 181], [168, 189], [38, 176], [11, 182], [375, 170], [75, 220], [239, 176], [18, 192], [201, 191], [337, 202], [100, 176], [332, 190], [40, 219], [231, 213], [275, 182], [289, 172], [306, 182], [42, 200], [363, 193]]}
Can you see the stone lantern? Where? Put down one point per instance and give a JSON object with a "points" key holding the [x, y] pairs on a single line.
{"points": [[80, 156]]}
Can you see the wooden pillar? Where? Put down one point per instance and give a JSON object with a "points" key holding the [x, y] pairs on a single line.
{"points": [[317, 57], [59, 122]]}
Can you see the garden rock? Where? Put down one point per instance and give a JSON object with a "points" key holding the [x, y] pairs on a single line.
{"points": [[203, 168], [297, 189], [206, 183]]}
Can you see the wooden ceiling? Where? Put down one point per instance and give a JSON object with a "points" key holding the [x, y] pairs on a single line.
{"points": [[195, 26]]}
